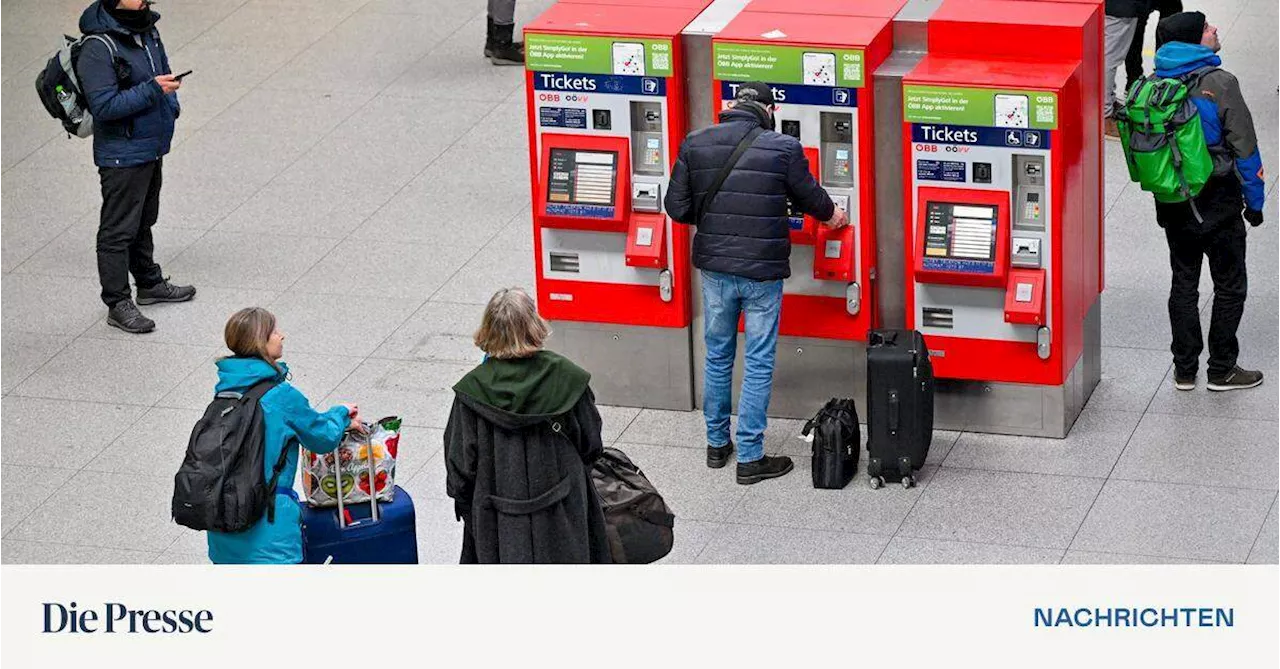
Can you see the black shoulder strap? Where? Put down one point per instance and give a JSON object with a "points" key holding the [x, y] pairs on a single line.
{"points": [[711, 193], [255, 393]]}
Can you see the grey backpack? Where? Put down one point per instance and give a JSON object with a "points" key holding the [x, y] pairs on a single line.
{"points": [[58, 85]]}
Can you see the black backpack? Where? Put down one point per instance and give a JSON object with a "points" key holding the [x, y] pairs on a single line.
{"points": [[638, 521], [220, 485], [837, 441], [58, 85]]}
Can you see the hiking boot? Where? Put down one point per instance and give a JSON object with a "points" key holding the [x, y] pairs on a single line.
{"points": [[125, 315], [768, 467], [718, 456], [1184, 381], [1236, 379], [1110, 128], [165, 292], [500, 48]]}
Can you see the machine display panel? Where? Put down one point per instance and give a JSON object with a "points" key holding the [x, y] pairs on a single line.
{"points": [[582, 183], [960, 237]]}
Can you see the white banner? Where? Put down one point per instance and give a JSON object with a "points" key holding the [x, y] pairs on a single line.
{"points": [[845, 616]]}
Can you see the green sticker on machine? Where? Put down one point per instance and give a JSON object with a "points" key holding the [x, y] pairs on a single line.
{"points": [[988, 107], [598, 55], [810, 66]]}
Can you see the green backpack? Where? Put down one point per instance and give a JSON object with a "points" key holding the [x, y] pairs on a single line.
{"points": [[1163, 140]]}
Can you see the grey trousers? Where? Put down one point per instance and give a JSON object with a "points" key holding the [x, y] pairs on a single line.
{"points": [[503, 13], [1119, 35]]}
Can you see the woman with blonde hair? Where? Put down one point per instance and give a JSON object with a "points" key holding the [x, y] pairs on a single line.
{"points": [[257, 345], [519, 444]]}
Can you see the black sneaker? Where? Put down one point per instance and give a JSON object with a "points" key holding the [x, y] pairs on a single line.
{"points": [[1236, 379], [1184, 381], [768, 467], [165, 292], [125, 315], [718, 456]]}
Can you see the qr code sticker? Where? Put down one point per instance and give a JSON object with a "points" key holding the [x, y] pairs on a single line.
{"points": [[1044, 114], [853, 71], [661, 61]]}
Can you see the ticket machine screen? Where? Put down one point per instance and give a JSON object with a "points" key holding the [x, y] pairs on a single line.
{"points": [[960, 238], [579, 182]]}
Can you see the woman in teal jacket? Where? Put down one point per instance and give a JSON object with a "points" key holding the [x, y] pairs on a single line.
{"points": [[257, 345]]}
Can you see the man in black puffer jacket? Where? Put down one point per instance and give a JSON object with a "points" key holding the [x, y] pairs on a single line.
{"points": [[743, 249]]}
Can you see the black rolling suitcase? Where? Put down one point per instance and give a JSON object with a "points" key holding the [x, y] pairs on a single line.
{"points": [[899, 406]]}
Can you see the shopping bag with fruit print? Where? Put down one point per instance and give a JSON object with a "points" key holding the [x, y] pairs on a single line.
{"points": [[363, 465]]}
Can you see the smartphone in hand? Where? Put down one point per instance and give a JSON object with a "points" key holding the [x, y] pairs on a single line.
{"points": [[179, 77]]}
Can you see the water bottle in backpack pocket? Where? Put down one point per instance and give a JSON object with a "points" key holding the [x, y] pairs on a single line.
{"points": [[837, 441], [1163, 140], [59, 90]]}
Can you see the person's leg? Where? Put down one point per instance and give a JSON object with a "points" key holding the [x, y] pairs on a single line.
{"points": [[500, 45], [1119, 35], [721, 307], [1226, 252], [1186, 255], [124, 196], [762, 304], [502, 12], [142, 265], [1133, 69]]}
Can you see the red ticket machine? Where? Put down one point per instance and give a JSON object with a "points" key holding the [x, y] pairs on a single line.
{"points": [[1002, 248], [604, 86], [819, 69], [875, 8]]}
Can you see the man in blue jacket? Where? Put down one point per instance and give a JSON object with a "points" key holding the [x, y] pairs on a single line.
{"points": [[133, 97], [743, 249], [1211, 224]]}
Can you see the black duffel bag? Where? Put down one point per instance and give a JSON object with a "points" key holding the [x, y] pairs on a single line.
{"points": [[837, 440], [638, 521]]}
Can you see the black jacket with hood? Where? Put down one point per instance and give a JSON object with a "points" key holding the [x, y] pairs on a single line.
{"points": [[519, 444]]}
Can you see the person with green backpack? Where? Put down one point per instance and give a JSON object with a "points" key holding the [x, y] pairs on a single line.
{"points": [[1189, 139]]}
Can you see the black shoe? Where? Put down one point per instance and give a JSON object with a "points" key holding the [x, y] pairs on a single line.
{"points": [[165, 292], [1236, 379], [500, 48], [125, 315], [718, 456], [1184, 381], [768, 467]]}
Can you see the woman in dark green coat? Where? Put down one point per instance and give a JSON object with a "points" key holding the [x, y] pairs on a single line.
{"points": [[521, 438]]}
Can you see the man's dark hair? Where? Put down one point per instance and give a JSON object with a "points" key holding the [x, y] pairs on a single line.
{"points": [[755, 91]]}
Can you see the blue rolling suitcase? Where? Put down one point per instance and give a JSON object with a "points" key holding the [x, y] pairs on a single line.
{"points": [[374, 533]]}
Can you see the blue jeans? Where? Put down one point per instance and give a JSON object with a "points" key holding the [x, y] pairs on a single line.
{"points": [[724, 298]]}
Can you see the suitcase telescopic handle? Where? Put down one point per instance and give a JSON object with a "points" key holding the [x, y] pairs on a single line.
{"points": [[894, 412], [373, 484]]}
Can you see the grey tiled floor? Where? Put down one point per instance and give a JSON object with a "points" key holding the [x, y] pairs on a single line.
{"points": [[331, 153]]}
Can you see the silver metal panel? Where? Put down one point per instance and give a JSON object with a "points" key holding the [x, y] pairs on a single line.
{"points": [[630, 365], [807, 373], [1092, 350], [701, 103], [602, 258], [890, 280]]}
